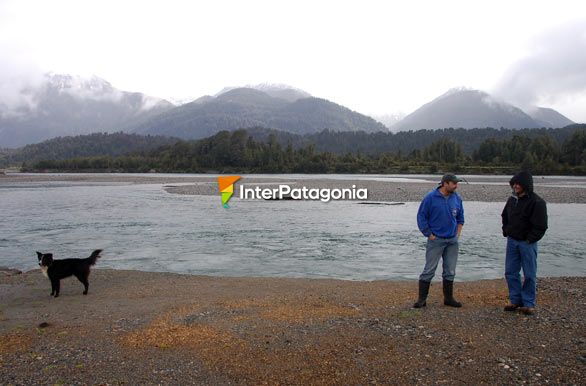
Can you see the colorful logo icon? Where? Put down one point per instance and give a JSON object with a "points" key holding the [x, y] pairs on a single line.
{"points": [[226, 184]]}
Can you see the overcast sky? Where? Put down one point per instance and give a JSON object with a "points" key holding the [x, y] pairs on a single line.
{"points": [[375, 57]]}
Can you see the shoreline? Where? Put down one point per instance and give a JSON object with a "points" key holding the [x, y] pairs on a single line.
{"points": [[485, 189], [7, 271], [163, 328]]}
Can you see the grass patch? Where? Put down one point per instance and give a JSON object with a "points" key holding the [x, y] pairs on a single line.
{"points": [[409, 314], [49, 369]]}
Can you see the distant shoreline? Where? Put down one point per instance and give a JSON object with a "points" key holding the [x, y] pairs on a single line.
{"points": [[488, 188]]}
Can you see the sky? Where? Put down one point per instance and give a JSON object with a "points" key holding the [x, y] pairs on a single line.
{"points": [[374, 57]]}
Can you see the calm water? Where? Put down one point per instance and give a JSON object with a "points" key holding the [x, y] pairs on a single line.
{"points": [[143, 227]]}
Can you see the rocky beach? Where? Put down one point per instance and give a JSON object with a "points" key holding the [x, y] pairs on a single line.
{"points": [[161, 328]]}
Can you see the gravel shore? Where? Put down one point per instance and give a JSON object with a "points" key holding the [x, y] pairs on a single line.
{"points": [[486, 189], [160, 328]]}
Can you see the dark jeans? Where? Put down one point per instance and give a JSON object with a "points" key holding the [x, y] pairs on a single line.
{"points": [[521, 255]]}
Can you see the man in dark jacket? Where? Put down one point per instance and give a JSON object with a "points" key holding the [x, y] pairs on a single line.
{"points": [[524, 224]]}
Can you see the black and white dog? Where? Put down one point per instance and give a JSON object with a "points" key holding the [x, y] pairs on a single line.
{"points": [[56, 270]]}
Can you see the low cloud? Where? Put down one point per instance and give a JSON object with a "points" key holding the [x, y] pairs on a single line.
{"points": [[22, 83], [18, 77], [554, 71]]}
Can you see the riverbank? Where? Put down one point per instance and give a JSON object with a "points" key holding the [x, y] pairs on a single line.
{"points": [[161, 328], [409, 188]]}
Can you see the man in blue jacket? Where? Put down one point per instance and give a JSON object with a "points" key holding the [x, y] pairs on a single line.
{"points": [[440, 218]]}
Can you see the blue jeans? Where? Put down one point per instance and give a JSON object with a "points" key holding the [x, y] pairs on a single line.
{"points": [[521, 255], [447, 249]]}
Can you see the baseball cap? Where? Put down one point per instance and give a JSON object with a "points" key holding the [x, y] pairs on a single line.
{"points": [[450, 178]]}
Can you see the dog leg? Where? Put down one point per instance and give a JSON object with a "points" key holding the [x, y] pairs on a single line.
{"points": [[57, 287], [83, 279]]}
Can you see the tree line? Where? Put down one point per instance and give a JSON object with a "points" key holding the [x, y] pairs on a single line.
{"points": [[407, 141], [88, 145], [238, 151]]}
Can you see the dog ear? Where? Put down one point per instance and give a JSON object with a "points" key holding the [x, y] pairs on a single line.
{"points": [[39, 255]]}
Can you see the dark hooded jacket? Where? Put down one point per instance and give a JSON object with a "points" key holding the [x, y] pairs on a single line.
{"points": [[524, 218]]}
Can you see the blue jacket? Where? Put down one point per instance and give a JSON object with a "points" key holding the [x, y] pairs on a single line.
{"points": [[440, 215]]}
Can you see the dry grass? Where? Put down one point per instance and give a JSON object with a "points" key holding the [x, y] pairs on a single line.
{"points": [[294, 310], [255, 354], [15, 342]]}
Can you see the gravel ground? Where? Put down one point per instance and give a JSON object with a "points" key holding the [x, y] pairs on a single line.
{"points": [[160, 328], [486, 189]]}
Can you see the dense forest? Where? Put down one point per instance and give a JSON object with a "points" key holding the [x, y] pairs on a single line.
{"points": [[407, 141], [89, 145], [551, 151]]}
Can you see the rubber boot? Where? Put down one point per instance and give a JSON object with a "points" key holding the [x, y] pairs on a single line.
{"points": [[423, 291], [449, 295]]}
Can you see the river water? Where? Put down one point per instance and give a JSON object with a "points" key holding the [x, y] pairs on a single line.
{"points": [[143, 227]]}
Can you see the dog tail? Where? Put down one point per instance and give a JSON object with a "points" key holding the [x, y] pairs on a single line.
{"points": [[95, 256]]}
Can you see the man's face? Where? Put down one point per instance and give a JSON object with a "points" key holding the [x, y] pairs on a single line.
{"points": [[518, 189], [450, 186]]}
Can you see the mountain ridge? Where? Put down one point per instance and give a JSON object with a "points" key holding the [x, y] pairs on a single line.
{"points": [[549, 117], [67, 104], [470, 108], [245, 107], [71, 105]]}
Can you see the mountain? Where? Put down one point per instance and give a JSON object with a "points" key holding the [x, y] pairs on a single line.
{"points": [[66, 105], [466, 109], [246, 107], [547, 117], [282, 91]]}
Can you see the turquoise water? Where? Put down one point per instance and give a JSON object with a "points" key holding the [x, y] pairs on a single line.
{"points": [[142, 227]]}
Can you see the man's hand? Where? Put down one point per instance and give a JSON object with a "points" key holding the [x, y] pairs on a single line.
{"points": [[431, 237]]}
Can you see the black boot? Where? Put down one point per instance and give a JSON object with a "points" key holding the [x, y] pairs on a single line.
{"points": [[423, 291], [449, 295]]}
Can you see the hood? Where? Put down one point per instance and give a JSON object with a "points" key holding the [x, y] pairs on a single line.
{"points": [[525, 179]]}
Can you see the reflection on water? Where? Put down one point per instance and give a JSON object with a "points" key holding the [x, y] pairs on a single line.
{"points": [[143, 227]]}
